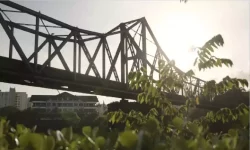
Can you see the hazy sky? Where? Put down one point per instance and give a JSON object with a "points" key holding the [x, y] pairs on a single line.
{"points": [[177, 27]]}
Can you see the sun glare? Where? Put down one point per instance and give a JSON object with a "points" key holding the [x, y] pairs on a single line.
{"points": [[183, 31]]}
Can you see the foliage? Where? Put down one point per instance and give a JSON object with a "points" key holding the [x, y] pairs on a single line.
{"points": [[6, 111], [205, 58], [153, 134], [212, 89], [71, 117], [186, 134], [163, 127]]}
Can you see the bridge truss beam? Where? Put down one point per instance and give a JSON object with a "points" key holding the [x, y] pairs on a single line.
{"points": [[131, 53]]}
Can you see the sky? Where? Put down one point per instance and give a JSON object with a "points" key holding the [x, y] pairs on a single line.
{"points": [[177, 27]]}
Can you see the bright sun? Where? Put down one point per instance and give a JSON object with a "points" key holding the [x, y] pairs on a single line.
{"points": [[182, 31]]}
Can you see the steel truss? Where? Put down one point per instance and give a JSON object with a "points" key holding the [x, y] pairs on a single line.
{"points": [[134, 35]]}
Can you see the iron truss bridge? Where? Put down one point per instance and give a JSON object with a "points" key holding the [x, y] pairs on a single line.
{"points": [[37, 50]]}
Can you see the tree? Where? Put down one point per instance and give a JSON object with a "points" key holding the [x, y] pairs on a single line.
{"points": [[174, 122], [6, 111]]}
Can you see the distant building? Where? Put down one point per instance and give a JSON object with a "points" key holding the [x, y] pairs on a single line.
{"points": [[21, 100], [64, 102], [13, 98], [101, 108], [29, 103]]}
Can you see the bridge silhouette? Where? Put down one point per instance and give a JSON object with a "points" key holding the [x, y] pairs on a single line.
{"points": [[136, 47]]}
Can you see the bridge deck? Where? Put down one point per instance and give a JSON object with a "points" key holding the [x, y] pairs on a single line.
{"points": [[14, 71]]}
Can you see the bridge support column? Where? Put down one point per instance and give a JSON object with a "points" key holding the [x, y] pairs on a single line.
{"points": [[144, 44], [79, 58], [36, 43], [103, 59], [11, 45], [123, 56], [74, 56], [123, 53], [49, 52]]}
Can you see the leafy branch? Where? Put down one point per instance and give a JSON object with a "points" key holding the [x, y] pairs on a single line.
{"points": [[205, 58]]}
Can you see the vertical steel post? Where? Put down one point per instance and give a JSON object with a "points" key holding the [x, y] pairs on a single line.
{"points": [[144, 45], [126, 60], [122, 38], [79, 58], [74, 57], [103, 59], [11, 45], [36, 43], [49, 52]]}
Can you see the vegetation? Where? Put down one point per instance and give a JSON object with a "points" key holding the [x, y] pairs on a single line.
{"points": [[163, 127]]}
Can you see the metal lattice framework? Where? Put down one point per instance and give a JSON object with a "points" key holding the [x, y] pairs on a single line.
{"points": [[137, 47]]}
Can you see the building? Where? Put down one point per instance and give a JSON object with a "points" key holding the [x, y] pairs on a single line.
{"points": [[29, 103], [21, 100], [13, 98], [64, 102], [101, 108]]}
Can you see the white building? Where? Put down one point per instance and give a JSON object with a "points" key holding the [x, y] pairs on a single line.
{"points": [[64, 102], [101, 108], [13, 98], [21, 100]]}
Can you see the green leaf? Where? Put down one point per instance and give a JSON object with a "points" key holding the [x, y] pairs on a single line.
{"points": [[203, 59], [36, 141], [49, 143], [243, 82], [147, 98], [218, 40], [218, 62], [190, 73], [244, 119], [100, 141], [2, 122], [138, 76], [153, 111], [128, 139], [178, 123], [152, 125], [197, 101], [23, 140], [132, 75], [207, 51], [67, 133], [21, 129], [113, 118], [153, 91], [87, 130]]}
